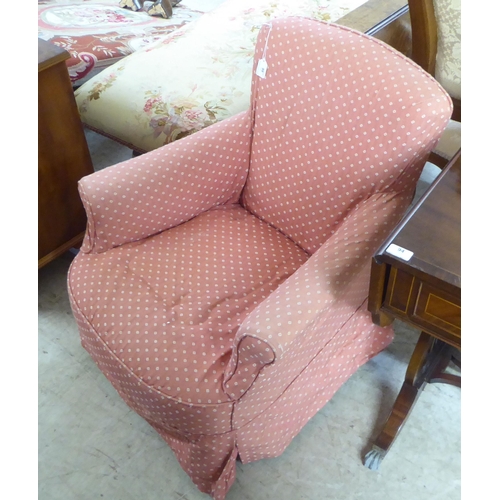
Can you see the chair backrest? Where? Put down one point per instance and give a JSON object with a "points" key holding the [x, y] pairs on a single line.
{"points": [[436, 40], [338, 117]]}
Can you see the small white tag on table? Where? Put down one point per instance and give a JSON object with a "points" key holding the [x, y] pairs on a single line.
{"points": [[399, 252], [261, 68]]}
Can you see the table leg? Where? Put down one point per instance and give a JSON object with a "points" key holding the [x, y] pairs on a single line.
{"points": [[427, 363]]}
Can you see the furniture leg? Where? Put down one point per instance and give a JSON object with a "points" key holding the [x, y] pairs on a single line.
{"points": [[134, 5], [162, 8], [449, 355], [424, 361], [63, 157]]}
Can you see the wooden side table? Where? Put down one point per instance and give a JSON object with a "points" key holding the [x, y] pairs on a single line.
{"points": [[416, 277], [386, 20], [63, 157]]}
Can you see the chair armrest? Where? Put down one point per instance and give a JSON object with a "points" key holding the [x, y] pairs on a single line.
{"points": [[166, 187], [317, 300]]}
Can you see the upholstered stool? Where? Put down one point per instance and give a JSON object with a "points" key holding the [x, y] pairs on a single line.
{"points": [[196, 76], [98, 33]]}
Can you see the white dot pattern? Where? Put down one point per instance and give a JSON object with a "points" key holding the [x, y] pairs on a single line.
{"points": [[345, 128], [305, 313], [154, 192], [181, 295], [209, 461], [271, 432], [223, 281]]}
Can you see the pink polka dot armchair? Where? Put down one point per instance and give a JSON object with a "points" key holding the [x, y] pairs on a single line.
{"points": [[222, 284]]}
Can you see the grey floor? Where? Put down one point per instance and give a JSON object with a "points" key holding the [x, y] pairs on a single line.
{"points": [[92, 446]]}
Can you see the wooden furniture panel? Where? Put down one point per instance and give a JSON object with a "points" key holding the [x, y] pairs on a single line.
{"points": [[423, 305], [416, 277], [63, 157], [437, 310], [386, 20]]}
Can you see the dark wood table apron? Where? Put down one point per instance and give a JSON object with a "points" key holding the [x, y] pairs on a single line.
{"points": [[416, 277]]}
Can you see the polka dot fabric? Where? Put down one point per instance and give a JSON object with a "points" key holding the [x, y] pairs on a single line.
{"points": [[156, 191], [223, 281], [268, 435], [312, 307], [338, 117], [181, 295]]}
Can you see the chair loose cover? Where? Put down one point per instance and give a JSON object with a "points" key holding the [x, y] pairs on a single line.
{"points": [[222, 284]]}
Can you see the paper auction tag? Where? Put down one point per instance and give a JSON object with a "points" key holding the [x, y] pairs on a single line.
{"points": [[261, 68], [400, 252]]}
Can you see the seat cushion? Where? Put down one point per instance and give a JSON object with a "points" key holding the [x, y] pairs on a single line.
{"points": [[168, 306]]}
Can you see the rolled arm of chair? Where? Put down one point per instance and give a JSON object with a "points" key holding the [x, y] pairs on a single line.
{"points": [[166, 187], [335, 277]]}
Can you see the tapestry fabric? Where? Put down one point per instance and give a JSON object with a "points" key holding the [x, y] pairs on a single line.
{"points": [[192, 78], [98, 33], [449, 54], [448, 70]]}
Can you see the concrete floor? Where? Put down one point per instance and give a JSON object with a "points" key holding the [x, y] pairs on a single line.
{"points": [[92, 446]]}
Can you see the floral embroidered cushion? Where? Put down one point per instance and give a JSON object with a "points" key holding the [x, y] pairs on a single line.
{"points": [[192, 78], [98, 33]]}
